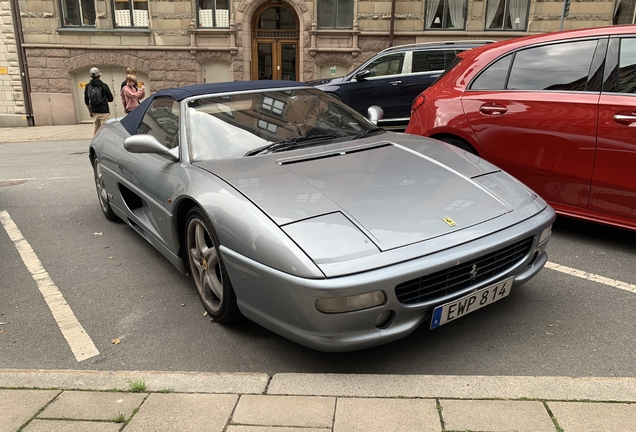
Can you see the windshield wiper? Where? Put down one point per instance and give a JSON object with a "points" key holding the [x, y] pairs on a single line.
{"points": [[368, 132], [289, 143]]}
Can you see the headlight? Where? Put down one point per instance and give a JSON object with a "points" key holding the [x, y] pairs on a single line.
{"points": [[545, 234], [330, 238], [351, 303]]}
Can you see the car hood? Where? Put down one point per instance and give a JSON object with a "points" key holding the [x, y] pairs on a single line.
{"points": [[395, 194]]}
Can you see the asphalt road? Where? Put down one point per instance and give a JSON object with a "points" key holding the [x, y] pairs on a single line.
{"points": [[141, 314]]}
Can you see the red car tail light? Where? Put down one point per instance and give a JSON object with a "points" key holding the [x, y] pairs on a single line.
{"points": [[418, 102]]}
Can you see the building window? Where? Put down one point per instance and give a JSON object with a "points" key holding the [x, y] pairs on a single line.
{"points": [[507, 14], [214, 13], [624, 12], [335, 14], [446, 14], [273, 106], [78, 12], [131, 13], [270, 127]]}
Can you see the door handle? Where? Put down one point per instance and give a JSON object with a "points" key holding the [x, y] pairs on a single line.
{"points": [[624, 119], [395, 82], [492, 109]]}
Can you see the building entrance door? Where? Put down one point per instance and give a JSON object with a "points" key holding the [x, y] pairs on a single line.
{"points": [[275, 43]]}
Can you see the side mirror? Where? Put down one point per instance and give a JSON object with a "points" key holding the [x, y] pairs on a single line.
{"points": [[147, 144], [362, 75], [375, 113]]}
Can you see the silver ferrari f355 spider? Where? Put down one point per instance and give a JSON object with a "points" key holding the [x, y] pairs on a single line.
{"points": [[293, 210]]}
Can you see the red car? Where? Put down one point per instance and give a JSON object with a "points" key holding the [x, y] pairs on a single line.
{"points": [[557, 111]]}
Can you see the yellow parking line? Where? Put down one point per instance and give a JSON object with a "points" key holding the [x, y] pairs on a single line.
{"points": [[593, 277], [79, 342]]}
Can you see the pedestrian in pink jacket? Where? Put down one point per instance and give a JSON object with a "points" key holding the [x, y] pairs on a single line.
{"points": [[130, 95]]}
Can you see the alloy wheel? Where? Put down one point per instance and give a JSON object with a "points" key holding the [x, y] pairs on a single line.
{"points": [[205, 265]]}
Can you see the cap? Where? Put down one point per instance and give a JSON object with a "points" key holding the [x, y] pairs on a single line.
{"points": [[95, 73]]}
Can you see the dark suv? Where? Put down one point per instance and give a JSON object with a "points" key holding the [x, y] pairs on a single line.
{"points": [[393, 79]]}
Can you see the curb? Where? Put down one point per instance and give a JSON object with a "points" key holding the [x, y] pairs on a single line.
{"points": [[346, 385]]}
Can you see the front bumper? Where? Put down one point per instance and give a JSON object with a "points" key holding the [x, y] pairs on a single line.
{"points": [[285, 304]]}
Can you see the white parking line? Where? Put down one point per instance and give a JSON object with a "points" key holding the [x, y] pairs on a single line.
{"points": [[39, 178], [593, 277], [79, 342]]}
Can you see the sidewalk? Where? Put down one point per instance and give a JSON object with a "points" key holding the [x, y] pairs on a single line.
{"points": [[57, 401], [46, 133]]}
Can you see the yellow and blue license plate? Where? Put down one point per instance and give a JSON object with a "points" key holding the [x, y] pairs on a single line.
{"points": [[476, 300]]}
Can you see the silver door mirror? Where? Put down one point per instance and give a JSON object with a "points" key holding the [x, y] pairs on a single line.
{"points": [[375, 113], [146, 144]]}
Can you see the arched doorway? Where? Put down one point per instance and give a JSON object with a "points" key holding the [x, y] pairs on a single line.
{"points": [[275, 42]]}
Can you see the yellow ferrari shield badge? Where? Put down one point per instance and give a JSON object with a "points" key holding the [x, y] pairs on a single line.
{"points": [[449, 221]]}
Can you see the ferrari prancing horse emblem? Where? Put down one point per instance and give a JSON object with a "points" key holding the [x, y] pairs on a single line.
{"points": [[449, 221], [473, 273]]}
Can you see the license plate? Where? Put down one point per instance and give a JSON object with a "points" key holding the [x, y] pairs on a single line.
{"points": [[470, 303]]}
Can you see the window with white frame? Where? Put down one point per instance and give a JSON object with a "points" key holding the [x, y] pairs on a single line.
{"points": [[273, 106], [335, 14], [624, 12], [507, 14], [445, 14], [131, 13], [78, 13], [213, 13]]}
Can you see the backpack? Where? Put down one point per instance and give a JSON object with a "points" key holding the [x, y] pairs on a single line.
{"points": [[95, 94]]}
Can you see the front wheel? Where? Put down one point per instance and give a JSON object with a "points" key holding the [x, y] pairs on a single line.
{"points": [[102, 195], [207, 268]]}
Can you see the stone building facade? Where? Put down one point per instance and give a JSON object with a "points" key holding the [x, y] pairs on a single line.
{"points": [[179, 42], [12, 109]]}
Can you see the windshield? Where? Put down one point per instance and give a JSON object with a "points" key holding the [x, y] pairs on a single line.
{"points": [[235, 125]]}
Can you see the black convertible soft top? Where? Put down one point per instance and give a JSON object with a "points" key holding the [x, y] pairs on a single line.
{"points": [[132, 120]]}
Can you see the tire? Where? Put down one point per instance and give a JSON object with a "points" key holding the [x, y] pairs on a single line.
{"points": [[214, 287], [458, 142], [102, 195]]}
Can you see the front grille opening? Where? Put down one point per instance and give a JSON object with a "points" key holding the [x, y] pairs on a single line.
{"points": [[462, 276]]}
